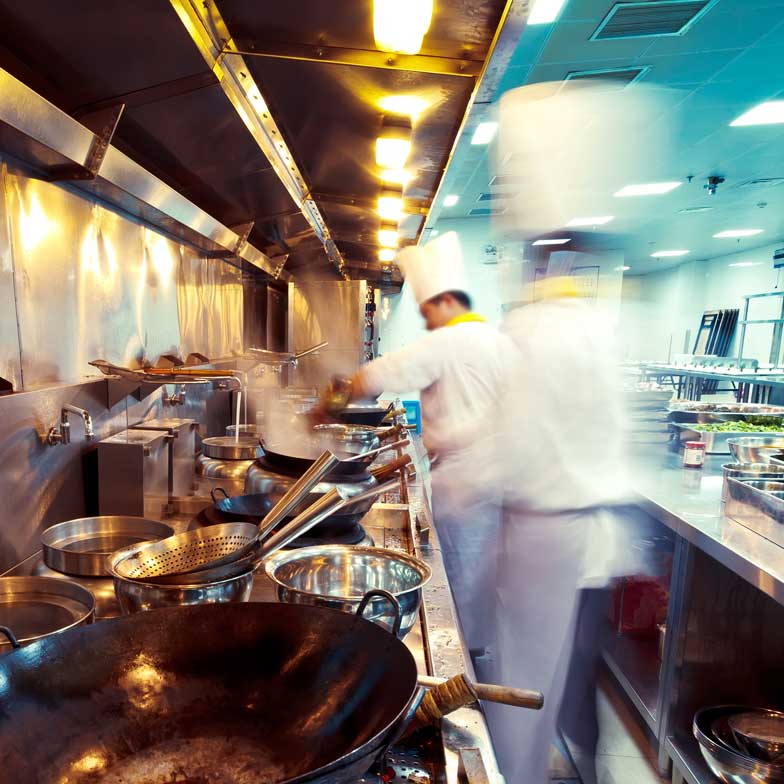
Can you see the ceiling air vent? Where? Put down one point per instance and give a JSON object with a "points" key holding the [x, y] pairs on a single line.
{"points": [[487, 211], [495, 196], [504, 180], [654, 18], [612, 78], [763, 182]]}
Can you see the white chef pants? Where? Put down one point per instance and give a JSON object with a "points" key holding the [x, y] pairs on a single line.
{"points": [[539, 569]]}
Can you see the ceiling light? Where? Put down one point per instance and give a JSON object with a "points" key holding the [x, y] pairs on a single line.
{"points": [[648, 189], [768, 113], [386, 254], [396, 176], [451, 200], [434, 233], [745, 264], [388, 235], [400, 25], [410, 105], [393, 145], [390, 204], [622, 269], [545, 11], [668, 254], [484, 133], [553, 242], [599, 220], [733, 233]]}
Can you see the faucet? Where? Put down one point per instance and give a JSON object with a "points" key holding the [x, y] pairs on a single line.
{"points": [[175, 399], [62, 434]]}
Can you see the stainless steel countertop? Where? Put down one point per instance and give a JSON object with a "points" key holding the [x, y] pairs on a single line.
{"points": [[688, 501]]}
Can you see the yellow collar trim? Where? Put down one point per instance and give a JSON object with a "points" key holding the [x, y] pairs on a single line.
{"points": [[464, 318]]}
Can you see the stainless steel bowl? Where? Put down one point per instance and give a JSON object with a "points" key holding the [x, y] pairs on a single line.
{"points": [[761, 732], [750, 471], [755, 449], [134, 595], [731, 765], [338, 576]]}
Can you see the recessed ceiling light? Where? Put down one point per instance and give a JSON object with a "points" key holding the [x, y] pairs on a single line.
{"points": [[733, 233], [451, 199], [745, 264], [484, 133], [599, 220], [396, 176], [668, 254], [390, 204], [401, 26], [386, 254], [434, 233], [545, 11], [622, 269], [388, 235], [553, 242], [412, 105], [648, 189], [692, 210], [767, 113]]}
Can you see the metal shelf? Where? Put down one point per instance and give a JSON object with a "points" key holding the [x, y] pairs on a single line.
{"points": [[688, 762], [634, 663]]}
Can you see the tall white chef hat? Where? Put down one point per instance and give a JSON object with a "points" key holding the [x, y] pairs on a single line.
{"points": [[434, 268]]}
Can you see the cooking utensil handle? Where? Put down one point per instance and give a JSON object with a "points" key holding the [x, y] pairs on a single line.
{"points": [[298, 491], [375, 452], [507, 695], [385, 433], [10, 636], [394, 413], [310, 350], [218, 490], [383, 471], [378, 593]]}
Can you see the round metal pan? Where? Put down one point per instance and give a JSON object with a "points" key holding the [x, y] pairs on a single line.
{"points": [[35, 607], [80, 547], [229, 448]]}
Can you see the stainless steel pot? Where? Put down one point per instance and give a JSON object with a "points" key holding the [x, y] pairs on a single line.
{"points": [[134, 596], [749, 471], [82, 546], [224, 462], [230, 448], [755, 449], [339, 576]]}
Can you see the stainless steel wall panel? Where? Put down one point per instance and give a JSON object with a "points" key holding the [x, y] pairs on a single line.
{"points": [[10, 359]]}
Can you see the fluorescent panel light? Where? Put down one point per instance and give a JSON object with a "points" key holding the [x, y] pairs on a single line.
{"points": [[484, 133], [392, 153], [400, 25], [668, 254], [745, 264], [553, 242], [599, 220], [451, 200], [412, 105], [545, 11], [733, 233], [386, 254], [622, 269], [768, 113], [648, 189], [388, 237]]}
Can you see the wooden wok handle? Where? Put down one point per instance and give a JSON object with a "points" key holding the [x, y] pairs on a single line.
{"points": [[508, 695], [386, 470], [390, 432]]}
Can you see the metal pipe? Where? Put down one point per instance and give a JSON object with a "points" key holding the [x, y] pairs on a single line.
{"points": [[83, 413]]}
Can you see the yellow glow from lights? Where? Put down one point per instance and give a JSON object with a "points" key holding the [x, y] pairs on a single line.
{"points": [[411, 105], [91, 762], [144, 683], [161, 257], [400, 25], [396, 176], [390, 207], [388, 238], [392, 153], [34, 225], [386, 254]]}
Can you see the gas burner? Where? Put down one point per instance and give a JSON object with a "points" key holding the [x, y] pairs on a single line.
{"points": [[331, 531]]}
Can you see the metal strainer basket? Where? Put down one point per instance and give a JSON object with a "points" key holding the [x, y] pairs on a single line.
{"points": [[188, 551]]}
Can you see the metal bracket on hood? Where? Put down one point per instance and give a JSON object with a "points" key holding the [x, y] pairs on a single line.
{"points": [[242, 231], [103, 123]]}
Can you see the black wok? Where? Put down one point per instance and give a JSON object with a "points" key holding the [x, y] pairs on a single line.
{"points": [[240, 694]]}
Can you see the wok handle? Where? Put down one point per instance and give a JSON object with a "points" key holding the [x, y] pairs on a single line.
{"points": [[507, 695], [218, 490], [378, 593], [375, 452], [385, 433], [10, 636]]}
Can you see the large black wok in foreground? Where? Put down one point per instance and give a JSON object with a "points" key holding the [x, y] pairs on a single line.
{"points": [[232, 694]]}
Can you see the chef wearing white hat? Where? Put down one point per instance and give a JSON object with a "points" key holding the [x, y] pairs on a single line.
{"points": [[458, 366]]}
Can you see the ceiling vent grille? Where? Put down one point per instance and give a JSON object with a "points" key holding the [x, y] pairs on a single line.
{"points": [[763, 182], [611, 78], [505, 180], [649, 19], [484, 211]]}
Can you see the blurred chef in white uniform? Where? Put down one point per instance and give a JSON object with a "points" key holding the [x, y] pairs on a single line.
{"points": [[458, 367]]}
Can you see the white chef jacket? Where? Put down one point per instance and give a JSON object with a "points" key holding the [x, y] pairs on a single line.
{"points": [[459, 370]]}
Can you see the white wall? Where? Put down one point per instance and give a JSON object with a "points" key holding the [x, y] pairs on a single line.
{"points": [[658, 310]]}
